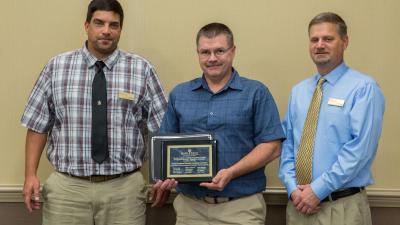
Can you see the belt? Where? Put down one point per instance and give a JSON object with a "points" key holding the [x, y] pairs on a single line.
{"points": [[342, 193], [215, 200], [101, 178], [211, 199]]}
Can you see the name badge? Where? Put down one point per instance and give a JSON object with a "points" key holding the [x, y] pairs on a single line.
{"points": [[126, 95], [336, 102]]}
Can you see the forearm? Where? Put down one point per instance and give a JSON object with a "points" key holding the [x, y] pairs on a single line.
{"points": [[35, 143], [260, 156]]}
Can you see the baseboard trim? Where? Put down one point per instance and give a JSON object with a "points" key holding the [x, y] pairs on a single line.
{"points": [[378, 197], [11, 193]]}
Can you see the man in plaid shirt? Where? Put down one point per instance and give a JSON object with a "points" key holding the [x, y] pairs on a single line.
{"points": [[59, 113]]}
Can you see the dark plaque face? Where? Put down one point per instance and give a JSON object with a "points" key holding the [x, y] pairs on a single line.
{"points": [[190, 161]]}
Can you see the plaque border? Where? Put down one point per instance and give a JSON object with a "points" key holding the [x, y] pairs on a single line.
{"points": [[154, 145], [191, 178]]}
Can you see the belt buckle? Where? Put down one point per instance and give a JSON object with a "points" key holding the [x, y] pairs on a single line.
{"points": [[209, 200], [97, 178], [103, 178], [223, 199], [215, 200]]}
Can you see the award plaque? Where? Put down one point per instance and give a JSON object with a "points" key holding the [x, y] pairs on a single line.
{"points": [[185, 157], [190, 160]]}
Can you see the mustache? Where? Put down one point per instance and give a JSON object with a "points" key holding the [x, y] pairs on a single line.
{"points": [[213, 64], [105, 38], [320, 50]]}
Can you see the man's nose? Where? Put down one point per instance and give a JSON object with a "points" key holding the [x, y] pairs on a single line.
{"points": [[106, 29], [321, 44], [212, 57]]}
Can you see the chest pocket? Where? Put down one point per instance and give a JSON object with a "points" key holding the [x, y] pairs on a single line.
{"points": [[338, 128], [238, 115], [123, 111]]}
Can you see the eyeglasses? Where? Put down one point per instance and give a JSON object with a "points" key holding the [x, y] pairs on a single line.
{"points": [[206, 53]]}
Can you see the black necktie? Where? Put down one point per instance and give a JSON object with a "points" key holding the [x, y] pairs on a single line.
{"points": [[99, 115]]}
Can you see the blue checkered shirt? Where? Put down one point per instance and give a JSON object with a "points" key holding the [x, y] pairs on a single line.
{"points": [[242, 115]]}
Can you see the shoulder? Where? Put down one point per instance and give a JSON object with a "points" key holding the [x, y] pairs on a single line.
{"points": [[253, 89], [362, 86], [135, 59], [304, 83], [59, 61], [250, 83], [186, 87], [358, 78], [65, 57]]}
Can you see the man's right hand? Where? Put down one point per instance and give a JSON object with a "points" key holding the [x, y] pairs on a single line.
{"points": [[31, 193], [296, 197]]}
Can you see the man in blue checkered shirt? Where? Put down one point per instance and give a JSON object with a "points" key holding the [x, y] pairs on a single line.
{"points": [[243, 116]]}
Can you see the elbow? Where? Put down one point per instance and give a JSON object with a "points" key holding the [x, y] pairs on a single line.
{"points": [[278, 150]]}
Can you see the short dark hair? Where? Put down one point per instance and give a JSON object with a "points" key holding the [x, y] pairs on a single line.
{"points": [[105, 5], [214, 29], [330, 17]]}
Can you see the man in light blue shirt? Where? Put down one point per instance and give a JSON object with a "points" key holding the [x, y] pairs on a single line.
{"points": [[347, 134]]}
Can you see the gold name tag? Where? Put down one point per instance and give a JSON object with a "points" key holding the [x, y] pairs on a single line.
{"points": [[336, 102], [126, 95]]}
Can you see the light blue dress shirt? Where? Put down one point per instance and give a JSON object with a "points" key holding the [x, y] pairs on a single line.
{"points": [[348, 131]]}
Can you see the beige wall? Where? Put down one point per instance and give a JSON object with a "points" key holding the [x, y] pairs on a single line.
{"points": [[271, 41]]}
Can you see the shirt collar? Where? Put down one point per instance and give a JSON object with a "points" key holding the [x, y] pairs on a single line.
{"points": [[333, 76], [91, 60], [233, 83]]}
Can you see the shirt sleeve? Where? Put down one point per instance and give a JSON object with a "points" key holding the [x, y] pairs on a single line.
{"points": [[267, 124], [156, 100], [170, 122], [39, 111], [287, 171], [366, 118]]}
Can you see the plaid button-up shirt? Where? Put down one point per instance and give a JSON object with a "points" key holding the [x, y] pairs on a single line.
{"points": [[61, 105]]}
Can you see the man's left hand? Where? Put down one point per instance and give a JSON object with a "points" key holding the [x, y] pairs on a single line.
{"points": [[161, 190], [220, 180]]}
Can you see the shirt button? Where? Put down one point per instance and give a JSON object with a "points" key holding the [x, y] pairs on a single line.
{"points": [[211, 113]]}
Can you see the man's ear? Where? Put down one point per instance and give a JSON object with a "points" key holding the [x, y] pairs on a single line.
{"points": [[345, 41], [86, 25]]}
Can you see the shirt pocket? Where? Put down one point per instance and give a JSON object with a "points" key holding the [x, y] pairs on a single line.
{"points": [[238, 115], [123, 112], [338, 130], [125, 122]]}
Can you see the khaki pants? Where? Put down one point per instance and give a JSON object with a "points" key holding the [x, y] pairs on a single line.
{"points": [[352, 210], [70, 201], [250, 210]]}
